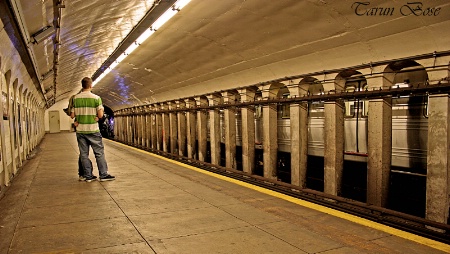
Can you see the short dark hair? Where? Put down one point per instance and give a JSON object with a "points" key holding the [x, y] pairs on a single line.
{"points": [[86, 82]]}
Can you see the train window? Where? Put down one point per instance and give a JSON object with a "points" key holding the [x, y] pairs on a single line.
{"points": [[355, 108], [365, 105], [258, 111], [350, 105], [284, 109]]}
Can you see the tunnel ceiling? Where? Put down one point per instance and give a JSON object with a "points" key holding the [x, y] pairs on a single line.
{"points": [[213, 45]]}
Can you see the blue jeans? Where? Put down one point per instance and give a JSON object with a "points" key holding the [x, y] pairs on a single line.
{"points": [[95, 141], [80, 167]]}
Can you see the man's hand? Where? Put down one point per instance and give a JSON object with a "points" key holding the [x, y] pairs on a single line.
{"points": [[75, 124], [96, 118]]}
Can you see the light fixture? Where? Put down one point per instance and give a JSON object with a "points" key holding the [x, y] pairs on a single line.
{"points": [[163, 18], [43, 34], [168, 14], [47, 74]]}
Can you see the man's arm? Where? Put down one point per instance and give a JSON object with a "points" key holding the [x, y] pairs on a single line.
{"points": [[72, 115], [100, 113]]}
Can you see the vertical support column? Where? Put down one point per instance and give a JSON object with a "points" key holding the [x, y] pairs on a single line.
{"points": [[143, 127], [248, 130], [270, 144], [153, 126], [334, 147], [299, 143], [134, 127], [148, 127], [125, 126], [190, 128], [229, 97], [117, 120], [118, 127], [129, 127], [202, 128], [299, 136], [379, 139], [438, 159], [214, 129], [159, 130], [173, 128], [379, 150], [165, 128], [270, 131], [181, 120], [140, 126], [121, 131]]}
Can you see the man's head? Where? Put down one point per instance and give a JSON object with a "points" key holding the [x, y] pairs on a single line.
{"points": [[86, 83]]}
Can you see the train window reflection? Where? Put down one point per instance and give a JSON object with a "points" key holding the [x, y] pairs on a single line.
{"points": [[356, 108], [258, 111], [284, 109]]}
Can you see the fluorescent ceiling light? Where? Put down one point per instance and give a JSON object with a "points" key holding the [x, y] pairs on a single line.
{"points": [[144, 36], [43, 34], [164, 18], [113, 65], [131, 48], [181, 3], [168, 14], [121, 57]]}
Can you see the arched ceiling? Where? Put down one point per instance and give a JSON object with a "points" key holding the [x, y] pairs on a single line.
{"points": [[213, 45]]}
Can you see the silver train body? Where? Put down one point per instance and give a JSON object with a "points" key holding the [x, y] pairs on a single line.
{"points": [[409, 131]]}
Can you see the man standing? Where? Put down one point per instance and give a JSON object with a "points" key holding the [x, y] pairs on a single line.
{"points": [[88, 109], [68, 111]]}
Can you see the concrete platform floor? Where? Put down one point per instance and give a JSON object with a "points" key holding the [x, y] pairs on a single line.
{"points": [[156, 206]]}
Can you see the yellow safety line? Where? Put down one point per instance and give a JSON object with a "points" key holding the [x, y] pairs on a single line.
{"points": [[368, 223]]}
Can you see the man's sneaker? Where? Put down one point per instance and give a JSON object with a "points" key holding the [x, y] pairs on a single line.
{"points": [[107, 178], [90, 179], [81, 178]]}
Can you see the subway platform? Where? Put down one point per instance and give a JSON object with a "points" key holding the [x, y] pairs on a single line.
{"points": [[159, 206]]}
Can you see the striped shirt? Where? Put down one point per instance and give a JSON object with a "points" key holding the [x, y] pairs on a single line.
{"points": [[86, 105]]}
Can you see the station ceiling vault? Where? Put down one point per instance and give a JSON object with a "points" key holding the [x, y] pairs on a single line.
{"points": [[212, 45]]}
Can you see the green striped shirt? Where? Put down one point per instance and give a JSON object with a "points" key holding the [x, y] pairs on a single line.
{"points": [[86, 105]]}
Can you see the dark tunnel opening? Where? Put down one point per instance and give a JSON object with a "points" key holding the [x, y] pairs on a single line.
{"points": [[106, 124]]}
